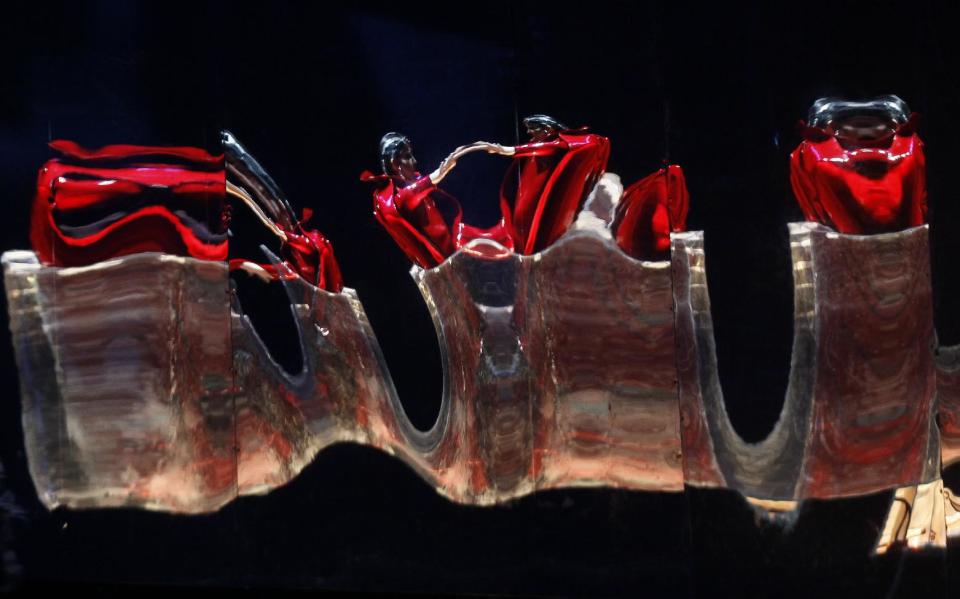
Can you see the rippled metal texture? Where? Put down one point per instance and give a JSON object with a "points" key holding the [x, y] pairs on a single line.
{"points": [[125, 377], [144, 385], [559, 367], [857, 417]]}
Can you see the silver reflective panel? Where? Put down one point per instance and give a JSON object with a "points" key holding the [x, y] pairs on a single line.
{"points": [[143, 384], [858, 412]]}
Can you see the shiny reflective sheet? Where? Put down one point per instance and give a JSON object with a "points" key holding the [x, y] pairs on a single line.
{"points": [[144, 385], [126, 380], [857, 417]]}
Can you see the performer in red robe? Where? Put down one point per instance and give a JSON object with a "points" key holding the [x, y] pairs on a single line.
{"points": [[549, 180], [860, 168], [420, 217], [554, 173], [649, 211]]}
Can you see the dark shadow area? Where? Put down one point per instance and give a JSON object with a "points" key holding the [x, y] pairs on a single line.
{"points": [[825, 548], [268, 308], [266, 304], [329, 529]]}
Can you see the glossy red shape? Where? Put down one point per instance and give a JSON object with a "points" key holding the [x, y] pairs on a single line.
{"points": [[425, 221], [421, 218], [547, 184], [310, 254], [860, 183], [305, 253], [649, 211], [92, 205], [499, 233]]}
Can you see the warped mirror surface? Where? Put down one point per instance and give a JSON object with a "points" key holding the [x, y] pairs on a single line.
{"points": [[143, 384]]}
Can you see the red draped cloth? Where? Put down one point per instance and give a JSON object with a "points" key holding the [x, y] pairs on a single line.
{"points": [[420, 217], [649, 211], [861, 191], [553, 178]]}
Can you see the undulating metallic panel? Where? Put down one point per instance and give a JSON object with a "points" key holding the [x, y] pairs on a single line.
{"points": [[145, 385], [857, 417], [126, 381]]}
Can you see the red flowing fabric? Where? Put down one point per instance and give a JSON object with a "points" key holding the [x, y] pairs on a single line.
{"points": [[553, 178], [311, 256], [151, 199], [649, 211], [864, 190], [412, 215], [83, 180]]}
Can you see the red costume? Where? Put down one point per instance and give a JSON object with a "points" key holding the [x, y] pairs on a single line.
{"points": [[412, 215], [649, 211], [92, 205], [554, 178], [308, 255], [876, 187], [311, 255]]}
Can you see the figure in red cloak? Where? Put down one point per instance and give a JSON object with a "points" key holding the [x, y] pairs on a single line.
{"points": [[649, 211], [419, 216], [860, 167], [549, 180], [546, 185], [425, 221]]}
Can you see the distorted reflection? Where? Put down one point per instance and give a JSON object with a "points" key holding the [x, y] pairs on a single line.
{"points": [[576, 333]]}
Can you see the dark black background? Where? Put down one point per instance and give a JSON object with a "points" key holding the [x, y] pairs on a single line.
{"points": [[310, 89]]}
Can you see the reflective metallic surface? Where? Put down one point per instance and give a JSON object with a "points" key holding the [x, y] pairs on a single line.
{"points": [[125, 376], [244, 169], [826, 110], [144, 385], [857, 417], [564, 364], [304, 251]]}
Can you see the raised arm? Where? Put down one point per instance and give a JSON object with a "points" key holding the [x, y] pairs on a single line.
{"points": [[478, 146]]}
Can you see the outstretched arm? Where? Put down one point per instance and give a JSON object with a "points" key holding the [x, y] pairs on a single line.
{"points": [[479, 146]]}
